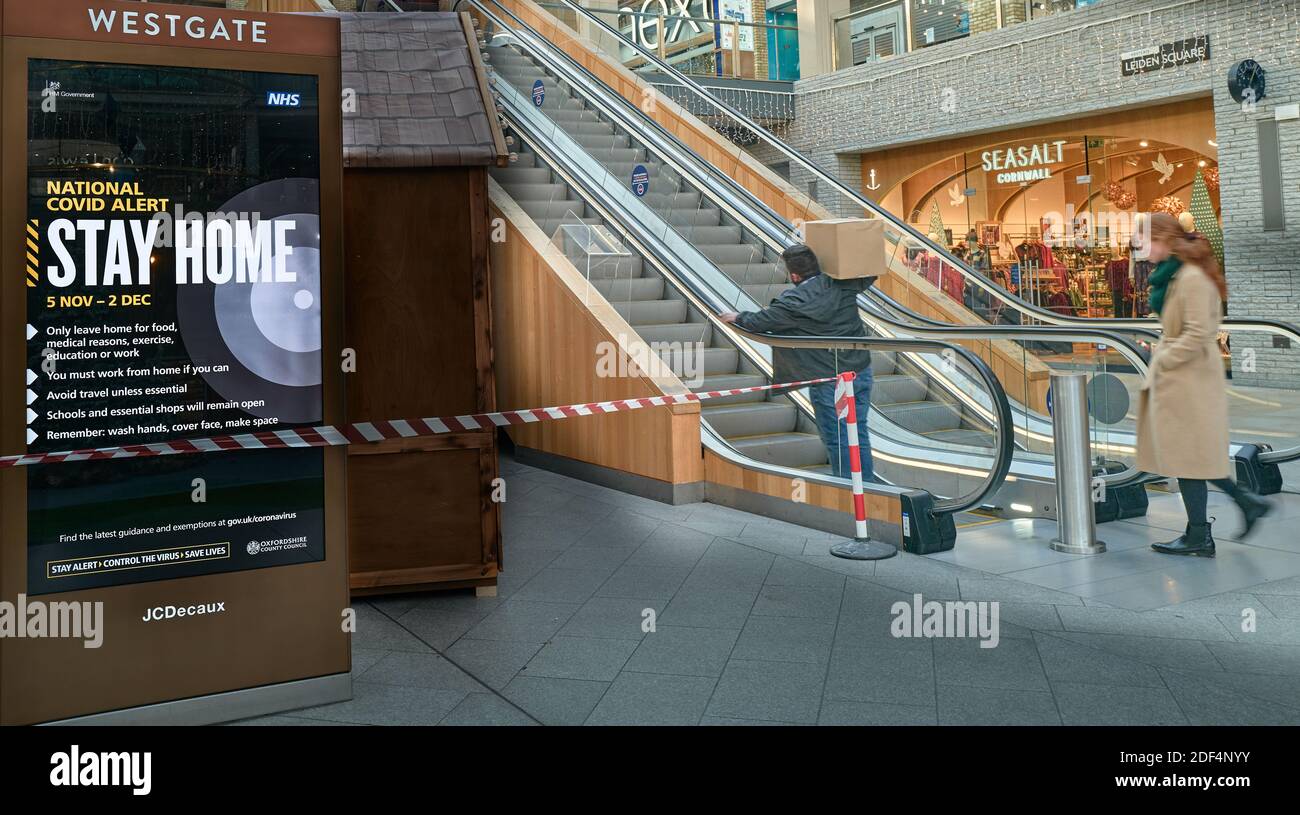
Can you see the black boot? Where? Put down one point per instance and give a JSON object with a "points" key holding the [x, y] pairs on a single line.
{"points": [[1195, 541], [1253, 507]]}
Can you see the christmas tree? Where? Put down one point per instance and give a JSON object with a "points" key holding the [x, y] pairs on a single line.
{"points": [[936, 222], [1206, 221]]}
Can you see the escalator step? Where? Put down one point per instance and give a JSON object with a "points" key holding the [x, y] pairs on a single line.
{"points": [[785, 449], [651, 312], [924, 417], [751, 418], [638, 288]]}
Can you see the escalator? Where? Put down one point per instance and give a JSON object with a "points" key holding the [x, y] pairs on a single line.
{"points": [[907, 396]]}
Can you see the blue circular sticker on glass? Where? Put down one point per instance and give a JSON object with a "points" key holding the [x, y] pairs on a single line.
{"points": [[640, 180], [539, 93]]}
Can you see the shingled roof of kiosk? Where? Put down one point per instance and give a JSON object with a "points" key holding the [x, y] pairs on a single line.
{"points": [[422, 97]]}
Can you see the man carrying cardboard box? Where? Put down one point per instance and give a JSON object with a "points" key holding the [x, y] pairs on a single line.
{"points": [[819, 305]]}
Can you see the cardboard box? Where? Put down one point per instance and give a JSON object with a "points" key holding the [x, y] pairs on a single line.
{"points": [[848, 248]]}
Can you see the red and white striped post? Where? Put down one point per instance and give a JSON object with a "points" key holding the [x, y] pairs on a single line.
{"points": [[862, 547]]}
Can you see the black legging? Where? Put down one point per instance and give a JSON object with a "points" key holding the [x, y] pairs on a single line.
{"points": [[1195, 495]]}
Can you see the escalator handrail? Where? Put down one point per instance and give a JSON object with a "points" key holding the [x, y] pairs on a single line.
{"points": [[1243, 324]]}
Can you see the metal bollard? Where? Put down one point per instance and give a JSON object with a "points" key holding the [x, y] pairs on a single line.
{"points": [[1077, 530]]}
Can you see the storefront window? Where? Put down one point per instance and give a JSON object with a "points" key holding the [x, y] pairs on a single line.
{"points": [[936, 21], [1051, 218]]}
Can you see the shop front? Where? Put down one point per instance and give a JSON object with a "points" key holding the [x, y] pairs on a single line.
{"points": [[1049, 212]]}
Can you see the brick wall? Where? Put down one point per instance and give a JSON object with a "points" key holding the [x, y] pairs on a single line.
{"points": [[1068, 65]]}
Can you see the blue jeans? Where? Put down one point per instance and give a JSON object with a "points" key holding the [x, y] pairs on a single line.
{"points": [[834, 431]]}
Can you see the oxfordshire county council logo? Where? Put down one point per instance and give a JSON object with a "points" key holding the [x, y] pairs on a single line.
{"points": [[253, 547]]}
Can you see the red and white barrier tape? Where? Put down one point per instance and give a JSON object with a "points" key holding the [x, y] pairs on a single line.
{"points": [[368, 432]]}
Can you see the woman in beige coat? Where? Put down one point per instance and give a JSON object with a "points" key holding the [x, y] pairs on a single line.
{"points": [[1182, 423]]}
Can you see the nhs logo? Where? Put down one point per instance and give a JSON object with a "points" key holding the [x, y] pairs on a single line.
{"points": [[280, 99]]}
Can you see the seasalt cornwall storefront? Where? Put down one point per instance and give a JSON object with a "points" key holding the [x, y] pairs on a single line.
{"points": [[1048, 211]]}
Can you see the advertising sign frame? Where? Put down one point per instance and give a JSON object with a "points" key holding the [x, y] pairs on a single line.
{"points": [[280, 639]]}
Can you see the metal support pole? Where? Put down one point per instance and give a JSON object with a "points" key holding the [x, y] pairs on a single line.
{"points": [[1077, 530], [862, 547]]}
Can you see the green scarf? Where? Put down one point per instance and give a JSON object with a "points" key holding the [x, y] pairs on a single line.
{"points": [[1160, 279]]}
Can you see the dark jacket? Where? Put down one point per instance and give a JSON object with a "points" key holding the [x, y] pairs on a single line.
{"points": [[820, 306]]}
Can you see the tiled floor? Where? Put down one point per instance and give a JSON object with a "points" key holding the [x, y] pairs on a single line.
{"points": [[618, 610]]}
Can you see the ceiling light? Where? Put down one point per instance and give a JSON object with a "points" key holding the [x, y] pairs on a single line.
{"points": [[1200, 163], [1213, 143], [1143, 143]]}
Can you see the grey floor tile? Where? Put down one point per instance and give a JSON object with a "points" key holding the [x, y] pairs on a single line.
{"points": [[1083, 704], [439, 628], [894, 671], [1013, 664], [1002, 588], [562, 585], [374, 703], [768, 691], [524, 621], [1276, 688], [1282, 605], [1141, 623], [1206, 701], [581, 658], [620, 529], [1231, 602], [602, 559], [612, 617], [726, 721], [785, 639], [1176, 653], [965, 705], [653, 699], [838, 712], [788, 571], [555, 701], [421, 671], [655, 582], [1033, 616], [684, 651], [492, 662], [486, 710], [709, 607], [363, 658], [1067, 661], [1241, 657], [1287, 585], [671, 546], [1267, 630], [809, 602], [458, 601], [376, 631]]}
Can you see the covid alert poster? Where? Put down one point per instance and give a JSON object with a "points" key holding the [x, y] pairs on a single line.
{"points": [[173, 291]]}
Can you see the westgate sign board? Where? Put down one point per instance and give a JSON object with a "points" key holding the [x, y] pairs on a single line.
{"points": [[1168, 55], [158, 24]]}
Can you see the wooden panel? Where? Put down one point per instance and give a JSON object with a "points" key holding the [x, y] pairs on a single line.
{"points": [[419, 321], [411, 292], [407, 513], [881, 508], [550, 330]]}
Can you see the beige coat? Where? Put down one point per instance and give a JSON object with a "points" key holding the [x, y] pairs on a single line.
{"points": [[1182, 422]]}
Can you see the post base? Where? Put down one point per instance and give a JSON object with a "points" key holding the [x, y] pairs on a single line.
{"points": [[864, 550], [1095, 548]]}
